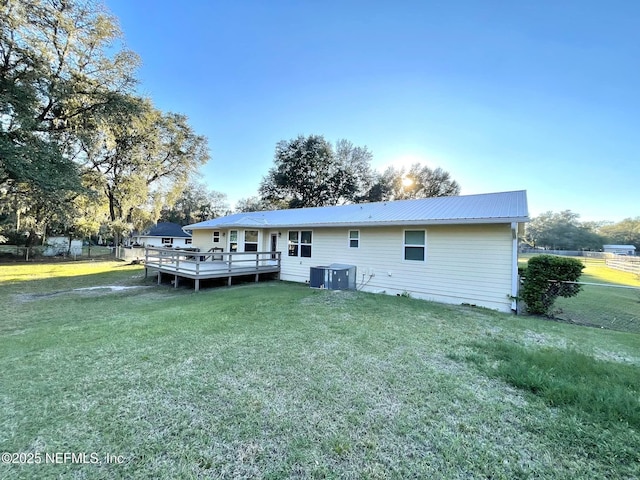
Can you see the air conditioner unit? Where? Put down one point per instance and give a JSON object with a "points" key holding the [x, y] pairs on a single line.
{"points": [[336, 276]]}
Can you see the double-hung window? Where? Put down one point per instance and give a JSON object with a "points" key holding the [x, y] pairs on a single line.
{"points": [[415, 245], [251, 240], [233, 241], [216, 236], [300, 243], [354, 238]]}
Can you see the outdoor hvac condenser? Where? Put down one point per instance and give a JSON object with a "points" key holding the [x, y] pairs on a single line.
{"points": [[336, 276]]}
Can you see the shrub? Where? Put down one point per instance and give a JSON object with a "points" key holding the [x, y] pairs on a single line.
{"points": [[543, 281]]}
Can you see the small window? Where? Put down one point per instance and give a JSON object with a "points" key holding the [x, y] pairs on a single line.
{"points": [[354, 238], [300, 243], [216, 236], [414, 245], [167, 241], [293, 244], [233, 241], [305, 243], [251, 240], [188, 241]]}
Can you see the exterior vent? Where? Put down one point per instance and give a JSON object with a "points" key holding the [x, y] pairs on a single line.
{"points": [[336, 276]]}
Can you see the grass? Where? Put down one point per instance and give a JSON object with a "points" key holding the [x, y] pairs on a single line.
{"points": [[600, 390], [11, 252], [275, 380], [603, 306]]}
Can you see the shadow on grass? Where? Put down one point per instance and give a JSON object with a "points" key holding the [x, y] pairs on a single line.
{"points": [[605, 391], [591, 392]]}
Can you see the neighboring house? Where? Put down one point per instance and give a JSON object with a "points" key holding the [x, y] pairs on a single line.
{"points": [[620, 249], [449, 249], [164, 234]]}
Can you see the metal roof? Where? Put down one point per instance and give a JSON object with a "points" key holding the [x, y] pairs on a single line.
{"points": [[165, 229], [504, 207]]}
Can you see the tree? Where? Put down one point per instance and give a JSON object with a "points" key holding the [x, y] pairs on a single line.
{"points": [[196, 204], [357, 177], [141, 159], [57, 71], [253, 204], [626, 232], [420, 181], [61, 68], [307, 172], [562, 231]]}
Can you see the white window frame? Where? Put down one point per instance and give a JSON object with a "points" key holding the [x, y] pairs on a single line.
{"points": [[256, 243], [299, 244], [188, 241], [216, 237], [354, 239], [167, 241], [232, 242], [414, 245]]}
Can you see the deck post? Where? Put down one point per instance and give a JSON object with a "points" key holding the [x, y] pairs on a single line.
{"points": [[159, 277], [279, 264], [196, 286], [229, 281], [175, 281]]}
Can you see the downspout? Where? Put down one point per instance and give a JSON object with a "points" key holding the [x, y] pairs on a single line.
{"points": [[514, 267]]}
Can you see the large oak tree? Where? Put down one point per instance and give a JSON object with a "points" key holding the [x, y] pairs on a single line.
{"points": [[309, 172]]}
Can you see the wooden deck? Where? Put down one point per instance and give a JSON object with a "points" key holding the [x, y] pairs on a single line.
{"points": [[197, 265]]}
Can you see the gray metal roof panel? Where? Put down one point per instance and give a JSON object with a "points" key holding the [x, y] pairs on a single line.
{"points": [[485, 208], [166, 229]]}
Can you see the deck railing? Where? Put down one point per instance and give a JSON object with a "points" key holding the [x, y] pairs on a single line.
{"points": [[194, 261]]}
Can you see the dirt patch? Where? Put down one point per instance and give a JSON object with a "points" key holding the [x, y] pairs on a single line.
{"points": [[103, 289], [615, 357]]}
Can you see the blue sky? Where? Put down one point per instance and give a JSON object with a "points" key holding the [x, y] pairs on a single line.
{"points": [[505, 95]]}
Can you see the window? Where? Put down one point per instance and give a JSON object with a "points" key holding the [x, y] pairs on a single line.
{"points": [[251, 240], [354, 238], [167, 241], [293, 244], [216, 236], [233, 241], [188, 241], [300, 243], [414, 245]]}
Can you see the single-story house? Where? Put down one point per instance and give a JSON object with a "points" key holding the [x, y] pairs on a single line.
{"points": [[458, 250], [620, 249], [163, 234]]}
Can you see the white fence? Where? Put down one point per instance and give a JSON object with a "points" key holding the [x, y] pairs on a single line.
{"points": [[626, 264]]}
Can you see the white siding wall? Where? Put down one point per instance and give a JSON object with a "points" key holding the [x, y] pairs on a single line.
{"points": [[203, 239], [157, 241], [464, 263]]}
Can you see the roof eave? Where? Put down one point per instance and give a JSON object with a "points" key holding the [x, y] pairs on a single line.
{"points": [[394, 223]]}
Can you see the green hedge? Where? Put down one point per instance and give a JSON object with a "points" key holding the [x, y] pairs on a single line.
{"points": [[543, 281]]}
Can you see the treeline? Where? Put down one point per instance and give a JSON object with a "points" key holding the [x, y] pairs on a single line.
{"points": [[309, 171], [565, 231], [79, 150]]}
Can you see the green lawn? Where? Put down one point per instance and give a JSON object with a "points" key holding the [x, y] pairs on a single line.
{"points": [[275, 380], [602, 306]]}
